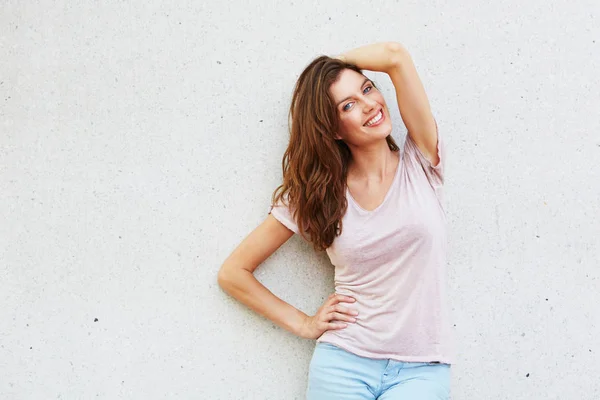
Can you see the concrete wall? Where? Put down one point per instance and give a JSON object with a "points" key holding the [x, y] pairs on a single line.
{"points": [[141, 141]]}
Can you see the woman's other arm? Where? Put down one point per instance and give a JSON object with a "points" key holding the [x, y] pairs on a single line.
{"points": [[237, 279]]}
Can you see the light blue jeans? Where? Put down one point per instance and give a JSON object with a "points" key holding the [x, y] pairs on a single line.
{"points": [[337, 374]]}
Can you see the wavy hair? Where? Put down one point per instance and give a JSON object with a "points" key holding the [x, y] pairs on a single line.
{"points": [[315, 164]]}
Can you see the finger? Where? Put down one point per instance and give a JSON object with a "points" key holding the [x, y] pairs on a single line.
{"points": [[336, 325], [342, 317], [330, 299], [343, 310], [340, 298]]}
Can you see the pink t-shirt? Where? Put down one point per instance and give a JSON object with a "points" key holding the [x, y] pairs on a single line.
{"points": [[393, 261]]}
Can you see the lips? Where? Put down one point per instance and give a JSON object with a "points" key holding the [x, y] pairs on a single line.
{"points": [[376, 119]]}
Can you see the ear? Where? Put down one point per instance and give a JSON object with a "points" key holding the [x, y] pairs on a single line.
{"points": [[337, 136]]}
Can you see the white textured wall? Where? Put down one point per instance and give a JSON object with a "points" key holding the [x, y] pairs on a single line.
{"points": [[141, 141]]}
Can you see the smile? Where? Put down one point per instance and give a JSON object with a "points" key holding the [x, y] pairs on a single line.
{"points": [[376, 120]]}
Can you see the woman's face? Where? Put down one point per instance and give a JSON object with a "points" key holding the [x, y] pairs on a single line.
{"points": [[364, 116]]}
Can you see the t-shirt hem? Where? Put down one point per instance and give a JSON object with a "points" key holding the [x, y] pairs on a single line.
{"points": [[384, 356]]}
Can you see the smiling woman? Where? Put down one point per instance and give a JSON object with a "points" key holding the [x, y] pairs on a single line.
{"points": [[378, 212]]}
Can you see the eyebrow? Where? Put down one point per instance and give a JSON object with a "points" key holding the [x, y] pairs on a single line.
{"points": [[363, 84]]}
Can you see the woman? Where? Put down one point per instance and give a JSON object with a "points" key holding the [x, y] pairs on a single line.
{"points": [[378, 213]]}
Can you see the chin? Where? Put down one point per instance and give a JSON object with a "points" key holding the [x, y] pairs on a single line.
{"points": [[384, 131], [388, 130]]}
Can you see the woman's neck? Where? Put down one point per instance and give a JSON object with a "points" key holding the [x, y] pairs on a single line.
{"points": [[372, 163]]}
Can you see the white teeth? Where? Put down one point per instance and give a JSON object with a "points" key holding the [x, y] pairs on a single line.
{"points": [[375, 119]]}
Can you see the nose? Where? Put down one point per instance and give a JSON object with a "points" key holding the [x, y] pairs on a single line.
{"points": [[370, 104]]}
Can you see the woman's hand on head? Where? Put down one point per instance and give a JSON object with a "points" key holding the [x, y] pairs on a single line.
{"points": [[381, 56], [332, 315]]}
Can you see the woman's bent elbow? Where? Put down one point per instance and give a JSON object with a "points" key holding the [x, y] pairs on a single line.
{"points": [[224, 278]]}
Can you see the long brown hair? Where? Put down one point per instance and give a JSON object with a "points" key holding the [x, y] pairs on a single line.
{"points": [[315, 164]]}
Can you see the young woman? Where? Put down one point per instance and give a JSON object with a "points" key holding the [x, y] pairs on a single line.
{"points": [[378, 212]]}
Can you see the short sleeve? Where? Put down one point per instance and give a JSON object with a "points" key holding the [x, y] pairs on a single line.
{"points": [[282, 213], [415, 160]]}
